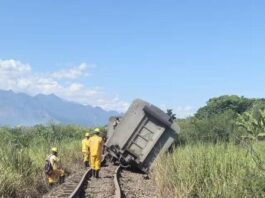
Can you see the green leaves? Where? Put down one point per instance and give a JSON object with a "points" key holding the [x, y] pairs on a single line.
{"points": [[253, 122], [224, 118], [221, 104]]}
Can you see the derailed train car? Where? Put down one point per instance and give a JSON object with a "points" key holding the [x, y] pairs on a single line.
{"points": [[143, 132]]}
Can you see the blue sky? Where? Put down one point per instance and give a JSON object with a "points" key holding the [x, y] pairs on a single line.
{"points": [[175, 54]]}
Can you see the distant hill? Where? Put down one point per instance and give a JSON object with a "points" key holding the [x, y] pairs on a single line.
{"points": [[22, 109]]}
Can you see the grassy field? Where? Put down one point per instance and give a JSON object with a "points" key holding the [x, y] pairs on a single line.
{"points": [[212, 170], [23, 152], [195, 170]]}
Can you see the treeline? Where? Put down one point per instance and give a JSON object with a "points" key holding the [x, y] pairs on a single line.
{"points": [[225, 118], [23, 137]]}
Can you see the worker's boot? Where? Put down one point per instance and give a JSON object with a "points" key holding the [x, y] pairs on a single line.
{"points": [[51, 185], [86, 164], [61, 179], [93, 173], [97, 174]]}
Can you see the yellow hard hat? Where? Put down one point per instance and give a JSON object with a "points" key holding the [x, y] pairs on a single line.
{"points": [[97, 130], [55, 149], [87, 134]]}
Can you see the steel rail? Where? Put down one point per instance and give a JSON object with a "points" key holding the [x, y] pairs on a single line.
{"points": [[118, 193], [78, 188], [87, 174]]}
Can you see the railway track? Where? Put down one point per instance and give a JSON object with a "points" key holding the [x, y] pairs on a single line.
{"points": [[82, 185]]}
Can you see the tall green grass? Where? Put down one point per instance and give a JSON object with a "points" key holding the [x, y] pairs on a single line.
{"points": [[24, 150], [211, 170]]}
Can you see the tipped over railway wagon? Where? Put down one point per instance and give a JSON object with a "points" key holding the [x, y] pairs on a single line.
{"points": [[143, 132]]}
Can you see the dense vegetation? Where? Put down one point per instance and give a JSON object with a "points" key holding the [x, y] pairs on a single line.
{"points": [[211, 170], [23, 152], [220, 152], [225, 118]]}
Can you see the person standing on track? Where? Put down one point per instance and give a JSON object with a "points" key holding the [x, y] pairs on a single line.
{"points": [[95, 147], [56, 172], [85, 150]]}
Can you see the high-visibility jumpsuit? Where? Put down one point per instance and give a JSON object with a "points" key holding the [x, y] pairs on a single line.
{"points": [[57, 171], [85, 150], [95, 147]]}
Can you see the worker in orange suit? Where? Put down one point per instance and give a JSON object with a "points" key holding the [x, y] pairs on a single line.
{"points": [[85, 150], [95, 147]]}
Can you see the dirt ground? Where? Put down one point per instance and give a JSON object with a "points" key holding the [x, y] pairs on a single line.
{"points": [[135, 184], [102, 187], [65, 189]]}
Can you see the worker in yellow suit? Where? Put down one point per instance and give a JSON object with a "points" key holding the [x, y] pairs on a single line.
{"points": [[85, 150], [57, 173], [95, 147]]}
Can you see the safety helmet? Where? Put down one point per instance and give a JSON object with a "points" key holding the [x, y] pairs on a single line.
{"points": [[97, 130], [87, 134], [55, 149]]}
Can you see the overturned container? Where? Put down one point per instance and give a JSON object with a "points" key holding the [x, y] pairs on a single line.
{"points": [[143, 132]]}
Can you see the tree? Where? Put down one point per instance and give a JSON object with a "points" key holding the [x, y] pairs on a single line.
{"points": [[223, 103], [171, 114]]}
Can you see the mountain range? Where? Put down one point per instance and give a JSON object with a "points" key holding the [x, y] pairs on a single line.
{"points": [[22, 109]]}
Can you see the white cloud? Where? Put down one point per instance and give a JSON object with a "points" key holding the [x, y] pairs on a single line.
{"points": [[181, 111], [184, 111], [75, 87], [72, 73], [19, 77], [14, 66], [113, 103]]}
